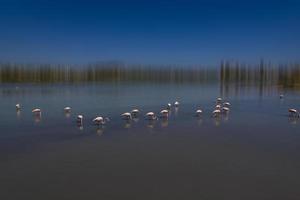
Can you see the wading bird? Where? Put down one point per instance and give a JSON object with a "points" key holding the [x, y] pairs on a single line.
{"points": [[100, 120], [198, 112], [176, 104], [226, 104], [216, 113], [135, 112], [79, 119], [169, 105], [225, 110], [67, 109], [37, 111], [164, 114], [18, 106], [218, 107], [219, 100], [126, 116], [151, 116], [293, 112], [37, 114]]}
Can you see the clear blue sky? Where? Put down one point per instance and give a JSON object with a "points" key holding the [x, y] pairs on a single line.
{"points": [[183, 32]]}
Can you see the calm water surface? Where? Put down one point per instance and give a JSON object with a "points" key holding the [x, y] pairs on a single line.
{"points": [[253, 153]]}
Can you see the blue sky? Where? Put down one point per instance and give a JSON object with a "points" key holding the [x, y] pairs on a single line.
{"points": [[149, 32]]}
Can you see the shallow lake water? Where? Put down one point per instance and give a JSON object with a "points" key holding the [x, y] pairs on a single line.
{"points": [[251, 153]]}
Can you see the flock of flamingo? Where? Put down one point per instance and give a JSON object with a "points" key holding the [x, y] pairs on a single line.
{"points": [[221, 108]]}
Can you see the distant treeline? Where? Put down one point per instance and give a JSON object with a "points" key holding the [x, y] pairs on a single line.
{"points": [[227, 73], [16, 73], [261, 75]]}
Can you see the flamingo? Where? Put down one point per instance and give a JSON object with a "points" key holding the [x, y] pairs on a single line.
{"points": [[198, 112], [37, 114], [216, 113], [135, 112], [225, 109], [151, 115], [293, 112], [226, 104], [126, 116], [219, 99], [18, 106], [37, 111], [218, 107], [176, 104], [67, 109], [79, 119], [100, 120], [169, 105], [164, 114]]}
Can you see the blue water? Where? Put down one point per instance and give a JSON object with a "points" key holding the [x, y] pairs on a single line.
{"points": [[251, 153]]}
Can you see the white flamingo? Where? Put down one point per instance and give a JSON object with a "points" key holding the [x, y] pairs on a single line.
{"points": [[151, 116], [294, 112], [218, 107], [226, 104], [219, 100], [18, 106], [135, 112], [67, 109], [225, 109], [37, 114], [37, 111], [164, 114], [79, 119], [100, 120], [198, 112], [216, 113], [169, 105], [126, 116]]}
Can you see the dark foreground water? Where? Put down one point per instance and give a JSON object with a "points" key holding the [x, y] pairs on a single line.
{"points": [[252, 153]]}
